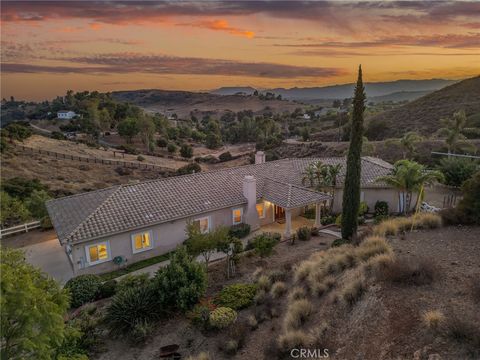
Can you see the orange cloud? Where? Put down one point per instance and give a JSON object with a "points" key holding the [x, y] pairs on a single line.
{"points": [[221, 25], [95, 26]]}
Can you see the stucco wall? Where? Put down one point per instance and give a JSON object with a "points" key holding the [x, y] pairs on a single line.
{"points": [[165, 237], [370, 196]]}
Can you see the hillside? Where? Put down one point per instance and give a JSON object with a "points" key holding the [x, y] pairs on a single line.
{"points": [[399, 96], [183, 103], [423, 115]]}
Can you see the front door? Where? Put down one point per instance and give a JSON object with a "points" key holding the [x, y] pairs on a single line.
{"points": [[279, 213]]}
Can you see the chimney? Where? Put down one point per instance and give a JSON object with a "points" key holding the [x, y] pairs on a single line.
{"points": [[250, 216], [259, 157]]}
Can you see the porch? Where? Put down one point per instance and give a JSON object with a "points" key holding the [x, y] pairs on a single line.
{"points": [[297, 222]]}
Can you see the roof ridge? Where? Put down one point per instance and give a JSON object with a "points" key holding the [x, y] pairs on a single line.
{"points": [[93, 213], [289, 198], [381, 162], [82, 194], [295, 185]]}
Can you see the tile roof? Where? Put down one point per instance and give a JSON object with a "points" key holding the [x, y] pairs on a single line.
{"points": [[125, 207], [290, 196]]}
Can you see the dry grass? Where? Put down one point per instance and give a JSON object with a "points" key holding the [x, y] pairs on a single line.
{"points": [[294, 339], [297, 313], [354, 287], [372, 246], [278, 289], [297, 293], [264, 283], [252, 322], [377, 264], [200, 356], [322, 287], [318, 335], [433, 319], [420, 271], [400, 224], [257, 273]]}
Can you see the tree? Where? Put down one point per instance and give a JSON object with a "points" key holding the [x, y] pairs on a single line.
{"points": [[128, 129], [469, 206], [171, 148], [305, 133], [333, 172], [457, 170], [452, 131], [204, 244], [36, 204], [214, 138], [407, 142], [351, 189], [186, 151], [32, 309], [231, 247], [104, 120], [323, 177], [410, 177], [146, 129], [13, 211]]}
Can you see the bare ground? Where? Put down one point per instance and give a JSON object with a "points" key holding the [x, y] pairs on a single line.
{"points": [[384, 324]]}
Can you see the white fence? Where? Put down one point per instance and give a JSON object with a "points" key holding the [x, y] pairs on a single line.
{"points": [[19, 228]]}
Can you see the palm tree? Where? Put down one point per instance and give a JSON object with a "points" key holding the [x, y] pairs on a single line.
{"points": [[333, 172], [409, 177], [407, 142], [309, 175], [452, 131]]}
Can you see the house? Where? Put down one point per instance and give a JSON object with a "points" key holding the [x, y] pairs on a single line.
{"points": [[306, 116], [66, 114], [102, 228]]}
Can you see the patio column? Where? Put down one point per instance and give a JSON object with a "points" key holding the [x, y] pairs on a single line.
{"points": [[288, 223], [318, 213]]}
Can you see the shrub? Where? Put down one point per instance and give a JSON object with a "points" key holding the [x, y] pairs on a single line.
{"points": [[414, 272], [141, 330], [122, 171], [320, 287], [278, 289], [189, 169], [239, 231], [132, 281], [46, 223], [327, 220], [222, 317], [107, 289], [338, 220], [433, 319], [252, 322], [200, 314], [293, 339], [171, 148], [83, 289], [57, 135], [277, 275], [182, 282], [363, 208], [427, 221], [353, 290], [237, 296], [297, 313], [140, 158], [469, 206], [379, 263], [186, 151], [264, 283], [381, 209], [297, 293], [309, 213], [339, 242], [304, 233], [457, 170], [314, 231], [129, 149], [132, 307], [161, 143], [464, 330], [226, 156], [264, 243], [236, 335], [371, 246], [451, 216]]}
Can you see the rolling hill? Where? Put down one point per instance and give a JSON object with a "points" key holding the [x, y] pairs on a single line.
{"points": [[423, 115], [183, 103]]}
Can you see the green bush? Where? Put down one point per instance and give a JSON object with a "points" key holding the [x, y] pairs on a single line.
{"points": [[107, 289], [226, 156], [200, 314], [237, 296], [46, 223], [338, 220], [264, 243], [457, 170], [182, 282], [327, 220], [171, 148], [132, 307], [186, 151], [304, 233], [381, 208], [132, 281], [189, 169], [309, 213], [83, 289], [469, 206], [239, 231], [18, 131], [363, 208], [162, 143], [129, 149], [140, 158], [222, 317]]}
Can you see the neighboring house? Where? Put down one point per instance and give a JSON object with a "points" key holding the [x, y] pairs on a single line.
{"points": [[66, 114], [137, 221], [306, 116]]}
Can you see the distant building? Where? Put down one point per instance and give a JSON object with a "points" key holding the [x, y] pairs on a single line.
{"points": [[66, 114], [306, 116]]}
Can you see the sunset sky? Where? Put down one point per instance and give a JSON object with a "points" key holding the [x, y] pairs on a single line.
{"points": [[49, 47]]}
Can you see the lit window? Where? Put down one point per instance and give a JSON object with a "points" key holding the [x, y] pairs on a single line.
{"points": [[237, 216], [142, 241], [203, 224], [97, 253], [261, 210]]}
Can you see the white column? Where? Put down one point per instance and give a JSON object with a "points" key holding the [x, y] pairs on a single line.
{"points": [[317, 215], [288, 223]]}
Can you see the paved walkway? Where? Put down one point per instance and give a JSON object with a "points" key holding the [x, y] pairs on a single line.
{"points": [[331, 232]]}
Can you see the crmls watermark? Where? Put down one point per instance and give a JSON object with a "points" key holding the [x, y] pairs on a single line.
{"points": [[309, 353]]}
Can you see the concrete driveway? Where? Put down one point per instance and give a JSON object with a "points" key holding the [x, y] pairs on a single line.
{"points": [[50, 257]]}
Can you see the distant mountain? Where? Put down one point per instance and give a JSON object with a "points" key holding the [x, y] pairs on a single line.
{"points": [[343, 91], [423, 115], [232, 90], [399, 96]]}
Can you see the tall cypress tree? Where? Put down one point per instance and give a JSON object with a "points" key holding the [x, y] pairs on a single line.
{"points": [[351, 189]]}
